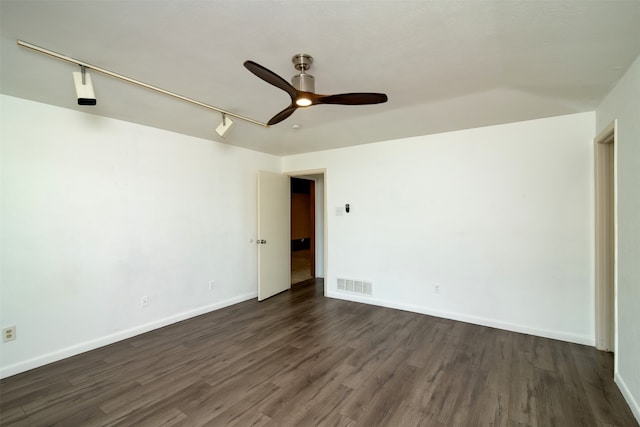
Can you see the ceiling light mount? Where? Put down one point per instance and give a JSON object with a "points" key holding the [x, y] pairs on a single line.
{"points": [[302, 61]]}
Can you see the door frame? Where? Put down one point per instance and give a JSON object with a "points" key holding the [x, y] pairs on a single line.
{"points": [[606, 239], [312, 222], [310, 173]]}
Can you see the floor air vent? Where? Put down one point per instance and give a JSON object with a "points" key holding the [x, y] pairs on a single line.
{"points": [[355, 286]]}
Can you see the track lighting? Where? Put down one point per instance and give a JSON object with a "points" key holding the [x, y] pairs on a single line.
{"points": [[84, 88], [86, 96], [225, 126]]}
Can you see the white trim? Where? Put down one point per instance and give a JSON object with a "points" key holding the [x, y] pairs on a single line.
{"points": [[628, 396], [607, 137], [306, 172], [482, 321], [605, 240], [615, 244], [35, 362]]}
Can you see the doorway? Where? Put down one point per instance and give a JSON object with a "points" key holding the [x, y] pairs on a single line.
{"points": [[605, 239], [274, 230], [303, 239]]}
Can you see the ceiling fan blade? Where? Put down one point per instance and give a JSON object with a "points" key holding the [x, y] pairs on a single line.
{"points": [[271, 78], [282, 114], [352, 98]]}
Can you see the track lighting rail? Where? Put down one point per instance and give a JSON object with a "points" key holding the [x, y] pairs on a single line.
{"points": [[136, 82]]}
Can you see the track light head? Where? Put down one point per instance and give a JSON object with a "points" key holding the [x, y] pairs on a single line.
{"points": [[84, 88], [224, 127]]}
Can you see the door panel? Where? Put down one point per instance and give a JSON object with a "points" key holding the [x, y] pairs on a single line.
{"points": [[274, 246]]}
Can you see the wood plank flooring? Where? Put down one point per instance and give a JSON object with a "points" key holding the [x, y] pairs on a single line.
{"points": [[299, 359], [300, 266]]}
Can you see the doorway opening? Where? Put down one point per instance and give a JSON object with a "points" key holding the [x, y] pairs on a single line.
{"points": [[303, 237], [317, 265], [605, 239]]}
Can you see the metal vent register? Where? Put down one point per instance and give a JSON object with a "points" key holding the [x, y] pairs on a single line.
{"points": [[355, 286]]}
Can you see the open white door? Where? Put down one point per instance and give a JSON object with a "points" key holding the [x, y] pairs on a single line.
{"points": [[274, 252]]}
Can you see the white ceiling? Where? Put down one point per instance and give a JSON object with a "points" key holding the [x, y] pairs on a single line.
{"points": [[445, 65]]}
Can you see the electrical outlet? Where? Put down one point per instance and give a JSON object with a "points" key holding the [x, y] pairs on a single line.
{"points": [[211, 285], [9, 334], [144, 301], [436, 288]]}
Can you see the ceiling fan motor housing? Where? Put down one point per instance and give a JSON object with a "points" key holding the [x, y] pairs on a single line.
{"points": [[304, 82]]}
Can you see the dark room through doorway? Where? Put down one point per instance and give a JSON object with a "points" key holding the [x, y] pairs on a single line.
{"points": [[302, 230]]}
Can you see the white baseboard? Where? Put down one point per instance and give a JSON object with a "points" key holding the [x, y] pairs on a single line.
{"points": [[631, 401], [35, 362], [482, 321]]}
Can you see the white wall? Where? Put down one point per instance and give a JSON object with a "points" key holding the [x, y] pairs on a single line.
{"points": [[97, 213], [501, 217], [623, 104]]}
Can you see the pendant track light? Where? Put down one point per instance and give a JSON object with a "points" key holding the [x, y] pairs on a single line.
{"points": [[225, 126], [84, 87]]}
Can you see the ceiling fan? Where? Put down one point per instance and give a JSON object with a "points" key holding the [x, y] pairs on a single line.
{"points": [[302, 91]]}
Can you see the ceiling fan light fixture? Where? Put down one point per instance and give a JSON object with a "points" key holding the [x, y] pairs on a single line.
{"points": [[303, 102], [303, 82], [302, 90]]}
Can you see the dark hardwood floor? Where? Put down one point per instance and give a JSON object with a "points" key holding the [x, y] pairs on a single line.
{"points": [[300, 266], [299, 359]]}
